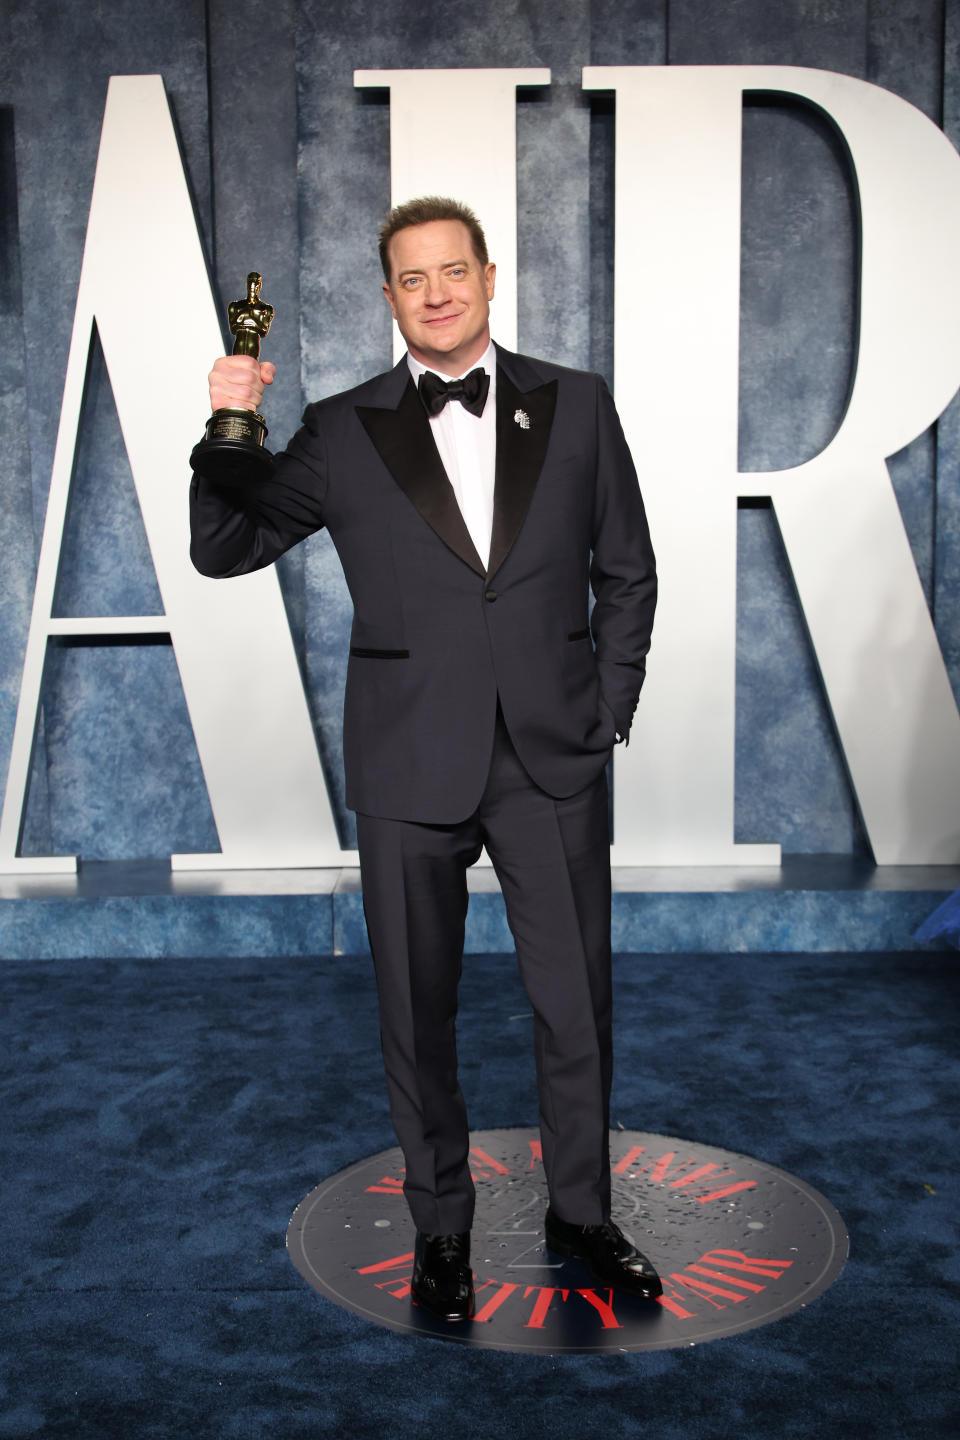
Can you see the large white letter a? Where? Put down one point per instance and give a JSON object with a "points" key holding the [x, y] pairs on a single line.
{"points": [[144, 283]]}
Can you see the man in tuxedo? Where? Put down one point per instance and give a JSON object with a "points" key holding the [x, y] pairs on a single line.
{"points": [[472, 494]]}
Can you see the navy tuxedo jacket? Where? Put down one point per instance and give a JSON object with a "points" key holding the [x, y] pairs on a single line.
{"points": [[435, 637]]}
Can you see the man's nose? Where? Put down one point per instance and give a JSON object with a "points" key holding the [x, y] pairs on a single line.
{"points": [[437, 291]]}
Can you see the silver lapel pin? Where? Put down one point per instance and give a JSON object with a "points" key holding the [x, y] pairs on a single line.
{"points": [[521, 418]]}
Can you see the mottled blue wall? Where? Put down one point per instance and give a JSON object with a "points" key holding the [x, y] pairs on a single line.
{"points": [[270, 94]]}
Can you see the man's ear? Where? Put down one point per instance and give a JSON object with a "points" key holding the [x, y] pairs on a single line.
{"points": [[490, 276], [389, 298]]}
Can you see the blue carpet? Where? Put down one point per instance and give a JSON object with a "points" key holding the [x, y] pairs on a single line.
{"points": [[159, 1120]]}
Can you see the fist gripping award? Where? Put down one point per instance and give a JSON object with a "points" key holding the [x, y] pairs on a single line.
{"points": [[232, 447]]}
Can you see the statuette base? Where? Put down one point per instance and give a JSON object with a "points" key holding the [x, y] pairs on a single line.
{"points": [[233, 448]]}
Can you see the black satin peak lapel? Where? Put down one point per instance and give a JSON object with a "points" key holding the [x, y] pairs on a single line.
{"points": [[406, 446], [524, 419]]}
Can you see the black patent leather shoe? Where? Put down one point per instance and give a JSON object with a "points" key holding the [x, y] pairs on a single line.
{"points": [[611, 1255], [442, 1278]]}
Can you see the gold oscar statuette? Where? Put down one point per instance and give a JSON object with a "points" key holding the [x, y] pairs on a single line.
{"points": [[232, 446]]}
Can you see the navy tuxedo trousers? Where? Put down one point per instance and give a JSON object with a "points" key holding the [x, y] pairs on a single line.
{"points": [[552, 859]]}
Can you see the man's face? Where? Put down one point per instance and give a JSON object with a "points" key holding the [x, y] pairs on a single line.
{"points": [[440, 295]]}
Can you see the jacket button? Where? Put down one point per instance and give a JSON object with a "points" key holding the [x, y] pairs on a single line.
{"points": [[490, 595]]}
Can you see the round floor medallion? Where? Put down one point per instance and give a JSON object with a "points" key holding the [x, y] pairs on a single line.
{"points": [[737, 1244]]}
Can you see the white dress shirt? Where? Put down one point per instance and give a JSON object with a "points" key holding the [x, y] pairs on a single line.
{"points": [[468, 448]]}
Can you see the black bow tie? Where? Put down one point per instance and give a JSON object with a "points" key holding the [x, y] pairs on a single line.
{"points": [[471, 391]]}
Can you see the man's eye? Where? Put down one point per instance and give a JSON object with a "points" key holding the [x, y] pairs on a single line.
{"points": [[457, 272]]}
